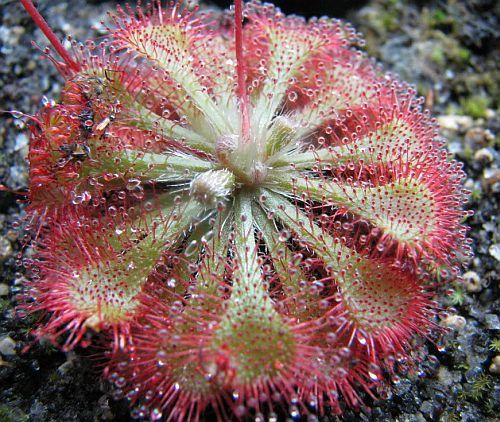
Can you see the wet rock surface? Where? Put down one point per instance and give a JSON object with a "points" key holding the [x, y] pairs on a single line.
{"points": [[448, 50]]}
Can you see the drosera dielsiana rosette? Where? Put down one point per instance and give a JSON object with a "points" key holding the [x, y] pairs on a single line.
{"points": [[252, 211]]}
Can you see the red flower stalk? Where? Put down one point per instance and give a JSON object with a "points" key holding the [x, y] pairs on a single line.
{"points": [[254, 212]]}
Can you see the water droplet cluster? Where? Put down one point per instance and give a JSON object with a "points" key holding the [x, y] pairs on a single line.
{"points": [[239, 270]]}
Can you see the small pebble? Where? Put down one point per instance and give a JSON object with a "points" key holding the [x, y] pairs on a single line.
{"points": [[65, 367], [21, 142], [453, 122], [445, 377], [12, 235], [5, 249], [495, 365], [492, 321], [490, 113], [484, 156], [490, 226], [4, 289], [31, 65], [490, 177], [478, 137], [469, 184], [427, 408], [455, 148], [494, 251], [456, 322], [18, 30], [68, 365], [472, 282], [7, 346]]}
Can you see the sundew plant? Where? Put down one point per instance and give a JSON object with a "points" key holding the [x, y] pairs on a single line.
{"points": [[244, 206]]}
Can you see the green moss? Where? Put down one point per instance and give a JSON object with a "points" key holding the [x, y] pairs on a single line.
{"points": [[389, 15], [475, 106], [468, 152], [458, 296], [6, 414], [389, 22], [464, 54], [476, 195], [9, 414], [451, 417], [4, 305], [54, 376], [481, 385], [495, 345], [30, 320], [457, 53], [490, 406], [438, 56], [448, 50], [439, 17], [480, 391], [452, 109]]}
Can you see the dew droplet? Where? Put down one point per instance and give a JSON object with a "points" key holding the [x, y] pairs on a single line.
{"points": [[149, 395], [132, 184], [284, 236], [345, 352], [155, 415], [294, 412], [120, 382], [45, 101], [259, 417], [16, 114], [191, 248], [136, 414], [208, 236], [161, 357], [331, 338], [77, 200], [240, 411], [324, 304], [132, 393]]}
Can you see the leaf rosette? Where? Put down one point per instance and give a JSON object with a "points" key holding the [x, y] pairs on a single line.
{"points": [[254, 223]]}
